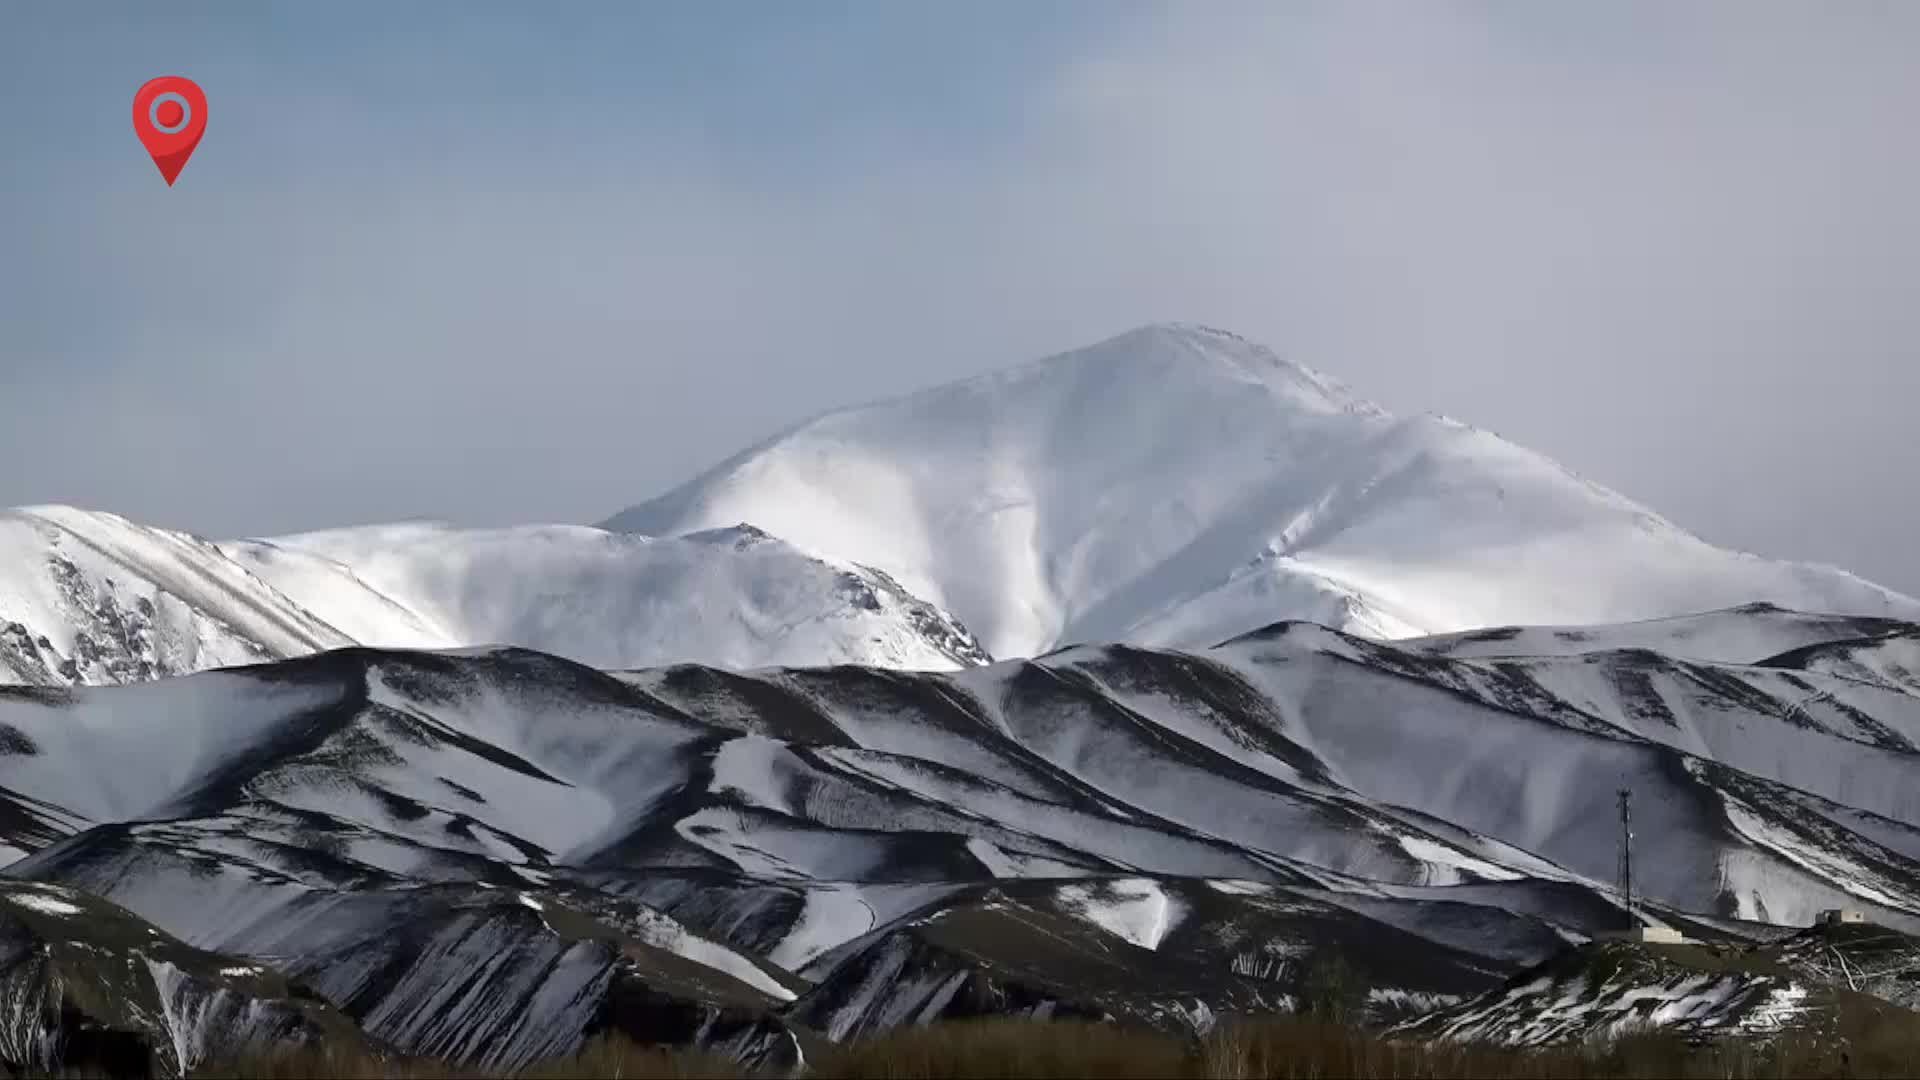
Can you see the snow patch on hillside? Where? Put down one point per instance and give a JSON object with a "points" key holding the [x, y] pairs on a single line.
{"points": [[1138, 911]]}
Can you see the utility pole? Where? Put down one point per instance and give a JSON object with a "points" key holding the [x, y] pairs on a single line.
{"points": [[1626, 856]]}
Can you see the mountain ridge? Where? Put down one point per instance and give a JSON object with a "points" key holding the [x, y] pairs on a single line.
{"points": [[1164, 836], [91, 598]]}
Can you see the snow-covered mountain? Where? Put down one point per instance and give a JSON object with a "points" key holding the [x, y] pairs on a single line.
{"points": [[1172, 486], [90, 598], [488, 793], [1180, 485], [772, 856]]}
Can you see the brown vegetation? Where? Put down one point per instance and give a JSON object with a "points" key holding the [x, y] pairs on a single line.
{"points": [[1280, 1048]]}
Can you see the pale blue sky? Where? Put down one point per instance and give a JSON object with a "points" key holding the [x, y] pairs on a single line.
{"points": [[536, 262]]}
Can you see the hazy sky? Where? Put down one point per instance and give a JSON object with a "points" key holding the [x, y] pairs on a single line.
{"points": [[539, 262]]}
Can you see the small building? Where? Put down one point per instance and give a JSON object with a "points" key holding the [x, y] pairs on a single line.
{"points": [[1842, 917], [1650, 935]]}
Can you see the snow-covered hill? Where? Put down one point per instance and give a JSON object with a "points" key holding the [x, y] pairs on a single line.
{"points": [[1102, 831], [1613, 990], [89, 989], [1180, 485], [733, 597], [90, 599]]}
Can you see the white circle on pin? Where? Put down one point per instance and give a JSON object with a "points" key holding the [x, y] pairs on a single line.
{"points": [[153, 113]]}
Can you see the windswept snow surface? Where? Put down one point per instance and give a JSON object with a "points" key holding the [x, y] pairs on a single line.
{"points": [[1180, 485]]}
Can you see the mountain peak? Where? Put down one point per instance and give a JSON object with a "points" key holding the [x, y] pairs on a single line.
{"points": [[1187, 331], [1180, 484], [1151, 355]]}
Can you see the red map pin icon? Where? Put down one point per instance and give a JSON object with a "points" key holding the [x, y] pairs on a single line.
{"points": [[170, 115]]}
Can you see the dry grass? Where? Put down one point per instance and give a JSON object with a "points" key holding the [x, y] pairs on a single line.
{"points": [[1289, 1048], [1279, 1048], [616, 1058], [1298, 1049], [991, 1049]]}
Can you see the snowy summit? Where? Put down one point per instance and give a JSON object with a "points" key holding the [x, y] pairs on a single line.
{"points": [[1180, 485]]}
